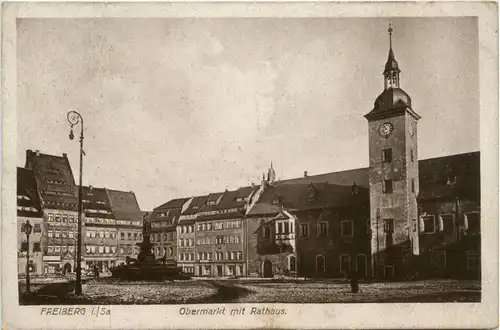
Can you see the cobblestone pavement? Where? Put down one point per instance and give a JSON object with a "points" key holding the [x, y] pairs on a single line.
{"points": [[247, 291]]}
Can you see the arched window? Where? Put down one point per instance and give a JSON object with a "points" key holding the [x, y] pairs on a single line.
{"points": [[292, 264], [345, 263], [320, 264]]}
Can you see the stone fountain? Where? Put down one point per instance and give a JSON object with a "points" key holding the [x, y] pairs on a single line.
{"points": [[146, 267]]}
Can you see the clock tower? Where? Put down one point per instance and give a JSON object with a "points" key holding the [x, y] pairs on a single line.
{"points": [[392, 126]]}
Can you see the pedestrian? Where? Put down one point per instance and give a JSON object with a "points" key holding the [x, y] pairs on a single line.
{"points": [[354, 282]]}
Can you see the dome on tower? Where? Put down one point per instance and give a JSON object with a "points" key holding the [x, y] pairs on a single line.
{"points": [[392, 98]]}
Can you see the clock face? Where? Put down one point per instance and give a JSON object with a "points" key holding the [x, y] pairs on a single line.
{"points": [[385, 129], [411, 129]]}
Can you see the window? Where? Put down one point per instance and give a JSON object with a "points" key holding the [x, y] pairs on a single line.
{"points": [[304, 230], [24, 246], [345, 264], [57, 233], [190, 242], [448, 224], [64, 234], [218, 255], [387, 187], [412, 158], [65, 249], [65, 218], [239, 255], [320, 264], [387, 155], [122, 235], [267, 232], [58, 218], [57, 249], [346, 229], [429, 227], [388, 226], [36, 247], [101, 249], [473, 224], [286, 227], [37, 228], [135, 236], [229, 256], [129, 236], [280, 228], [451, 179], [113, 249], [50, 233], [106, 249], [50, 249], [51, 217], [322, 229], [415, 225], [412, 185]]}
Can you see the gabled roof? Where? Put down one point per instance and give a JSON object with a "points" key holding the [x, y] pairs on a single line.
{"points": [[96, 200], [124, 205], [28, 201], [435, 175], [297, 197], [54, 178]]}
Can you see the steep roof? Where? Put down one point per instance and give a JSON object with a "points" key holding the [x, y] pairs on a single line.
{"points": [[55, 180], [96, 202], [124, 205], [174, 203], [300, 197], [195, 205], [450, 177], [28, 201]]}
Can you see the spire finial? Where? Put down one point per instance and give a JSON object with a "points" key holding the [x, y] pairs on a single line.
{"points": [[390, 35]]}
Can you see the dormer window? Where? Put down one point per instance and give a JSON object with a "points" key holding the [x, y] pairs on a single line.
{"points": [[276, 200]]}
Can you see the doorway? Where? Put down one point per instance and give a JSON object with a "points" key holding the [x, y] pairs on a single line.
{"points": [[67, 268], [219, 270], [268, 268]]}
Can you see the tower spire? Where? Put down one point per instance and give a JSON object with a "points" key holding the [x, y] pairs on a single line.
{"points": [[390, 36]]}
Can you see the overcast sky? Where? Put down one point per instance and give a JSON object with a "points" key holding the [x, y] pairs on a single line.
{"points": [[180, 107]]}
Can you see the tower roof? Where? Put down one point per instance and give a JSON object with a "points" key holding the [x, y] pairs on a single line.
{"points": [[391, 64]]}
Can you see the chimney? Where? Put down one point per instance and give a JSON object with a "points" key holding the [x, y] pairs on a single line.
{"points": [[37, 152], [305, 174], [65, 155], [253, 184]]}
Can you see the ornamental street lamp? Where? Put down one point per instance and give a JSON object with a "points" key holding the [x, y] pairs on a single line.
{"points": [[27, 227], [74, 118]]}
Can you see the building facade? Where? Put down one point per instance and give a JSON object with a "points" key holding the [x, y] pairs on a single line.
{"points": [[58, 192], [29, 209], [100, 231], [164, 220], [128, 218]]}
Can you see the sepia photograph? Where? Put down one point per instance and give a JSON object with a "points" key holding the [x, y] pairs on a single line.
{"points": [[199, 161]]}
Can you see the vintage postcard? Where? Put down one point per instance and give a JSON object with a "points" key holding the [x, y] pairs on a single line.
{"points": [[249, 165]]}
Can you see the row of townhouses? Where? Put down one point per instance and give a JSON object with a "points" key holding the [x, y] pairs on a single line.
{"points": [[47, 197], [398, 218]]}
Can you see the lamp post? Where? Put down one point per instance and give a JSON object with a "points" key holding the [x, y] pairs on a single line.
{"points": [[74, 118], [27, 227]]}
